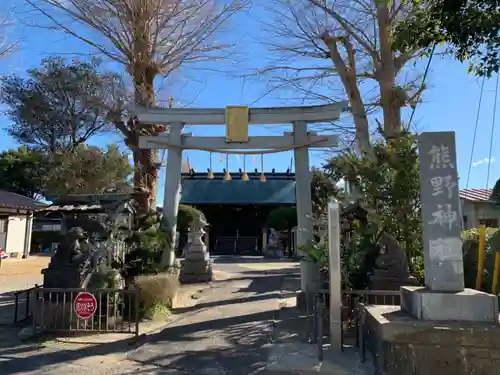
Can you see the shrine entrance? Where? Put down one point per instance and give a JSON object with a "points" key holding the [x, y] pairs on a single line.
{"points": [[237, 141]]}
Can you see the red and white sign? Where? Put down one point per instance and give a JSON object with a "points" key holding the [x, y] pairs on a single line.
{"points": [[85, 305]]}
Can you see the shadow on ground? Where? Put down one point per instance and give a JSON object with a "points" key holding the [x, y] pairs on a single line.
{"points": [[245, 338], [230, 344], [222, 259], [256, 287]]}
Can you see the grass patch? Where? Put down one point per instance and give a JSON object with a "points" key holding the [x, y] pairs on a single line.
{"points": [[156, 296]]}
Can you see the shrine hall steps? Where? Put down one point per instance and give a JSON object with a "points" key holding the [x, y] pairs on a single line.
{"points": [[234, 245]]}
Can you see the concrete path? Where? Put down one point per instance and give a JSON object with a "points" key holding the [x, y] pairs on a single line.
{"points": [[245, 324], [229, 332], [292, 352]]}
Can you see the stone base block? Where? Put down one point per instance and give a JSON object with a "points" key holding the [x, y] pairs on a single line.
{"points": [[195, 271], [63, 277], [468, 305], [194, 254], [403, 345], [273, 253]]}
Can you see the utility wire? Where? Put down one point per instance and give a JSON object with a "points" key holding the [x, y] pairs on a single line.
{"points": [[492, 131], [478, 113], [475, 132], [426, 72]]}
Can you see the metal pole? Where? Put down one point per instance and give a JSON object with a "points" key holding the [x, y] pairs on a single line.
{"points": [[335, 275], [137, 293]]}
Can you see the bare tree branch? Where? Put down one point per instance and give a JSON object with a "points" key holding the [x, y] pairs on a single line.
{"points": [[150, 38], [355, 37], [7, 44]]}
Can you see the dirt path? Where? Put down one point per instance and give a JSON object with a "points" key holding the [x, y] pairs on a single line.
{"points": [[17, 274]]}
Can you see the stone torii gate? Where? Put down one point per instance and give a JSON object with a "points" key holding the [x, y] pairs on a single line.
{"points": [[299, 141]]}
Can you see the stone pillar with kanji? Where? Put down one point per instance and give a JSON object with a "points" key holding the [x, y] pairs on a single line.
{"points": [[442, 224], [444, 296], [442, 327]]}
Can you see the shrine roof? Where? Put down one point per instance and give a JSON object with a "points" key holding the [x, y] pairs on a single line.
{"points": [[279, 189], [476, 195], [11, 200], [89, 202]]}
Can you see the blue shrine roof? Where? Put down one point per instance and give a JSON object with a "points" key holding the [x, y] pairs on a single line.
{"points": [[277, 190]]}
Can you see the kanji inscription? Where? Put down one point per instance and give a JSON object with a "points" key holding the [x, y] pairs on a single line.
{"points": [[441, 213]]}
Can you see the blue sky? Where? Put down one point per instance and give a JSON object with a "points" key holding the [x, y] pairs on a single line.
{"points": [[449, 103]]}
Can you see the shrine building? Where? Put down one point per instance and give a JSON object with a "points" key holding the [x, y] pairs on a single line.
{"points": [[236, 208]]}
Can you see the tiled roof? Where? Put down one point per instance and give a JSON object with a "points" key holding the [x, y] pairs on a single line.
{"points": [[236, 191], [17, 201], [476, 195]]}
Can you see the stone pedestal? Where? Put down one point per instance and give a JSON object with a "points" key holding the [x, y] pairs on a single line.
{"points": [[197, 265], [64, 276], [273, 253], [468, 305], [402, 345]]}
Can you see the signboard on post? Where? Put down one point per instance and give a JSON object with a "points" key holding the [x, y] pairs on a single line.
{"points": [[85, 305], [443, 264]]}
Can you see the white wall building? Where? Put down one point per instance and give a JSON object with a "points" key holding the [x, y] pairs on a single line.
{"points": [[477, 208], [16, 222]]}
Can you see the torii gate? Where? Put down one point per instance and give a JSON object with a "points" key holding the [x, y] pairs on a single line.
{"points": [[299, 141]]}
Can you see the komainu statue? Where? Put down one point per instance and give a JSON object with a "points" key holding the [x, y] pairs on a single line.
{"points": [[391, 269], [71, 264], [392, 260], [72, 249]]}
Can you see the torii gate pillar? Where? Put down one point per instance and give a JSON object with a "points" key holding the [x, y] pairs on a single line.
{"points": [[303, 199], [172, 193]]}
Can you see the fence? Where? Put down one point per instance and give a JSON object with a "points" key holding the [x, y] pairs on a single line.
{"points": [[294, 248], [117, 311], [317, 310], [110, 250], [24, 300], [17, 307]]}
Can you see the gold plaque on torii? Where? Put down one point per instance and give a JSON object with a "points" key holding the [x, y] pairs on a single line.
{"points": [[236, 124]]}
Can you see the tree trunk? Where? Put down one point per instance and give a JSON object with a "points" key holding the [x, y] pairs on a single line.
{"points": [[347, 74], [390, 99], [145, 161], [146, 177]]}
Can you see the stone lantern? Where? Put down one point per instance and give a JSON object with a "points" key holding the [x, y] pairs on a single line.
{"points": [[197, 265]]}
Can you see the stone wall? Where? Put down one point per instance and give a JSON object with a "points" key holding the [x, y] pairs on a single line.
{"points": [[402, 346], [420, 359]]}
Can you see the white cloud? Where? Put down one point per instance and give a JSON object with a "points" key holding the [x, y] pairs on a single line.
{"points": [[341, 184], [483, 161]]}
